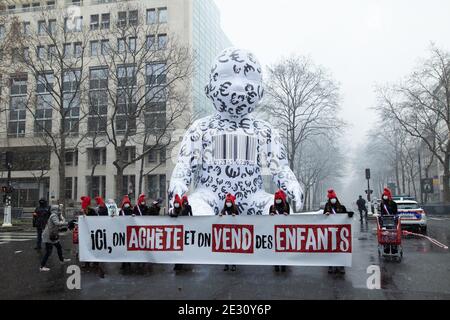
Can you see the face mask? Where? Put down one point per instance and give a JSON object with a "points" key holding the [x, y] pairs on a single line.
{"points": [[177, 205], [185, 204], [333, 201], [385, 198], [127, 206], [278, 201], [229, 204], [143, 203]]}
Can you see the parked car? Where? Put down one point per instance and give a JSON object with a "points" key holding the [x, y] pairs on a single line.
{"points": [[411, 214]]}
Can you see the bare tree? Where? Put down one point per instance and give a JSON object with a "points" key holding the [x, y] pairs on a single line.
{"points": [[148, 72], [53, 60], [302, 100], [421, 105]]}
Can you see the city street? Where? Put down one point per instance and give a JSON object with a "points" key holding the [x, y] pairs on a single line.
{"points": [[423, 274]]}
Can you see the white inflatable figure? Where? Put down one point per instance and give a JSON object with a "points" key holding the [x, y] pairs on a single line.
{"points": [[113, 210], [225, 153]]}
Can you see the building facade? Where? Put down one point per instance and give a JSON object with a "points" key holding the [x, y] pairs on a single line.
{"points": [[88, 165]]}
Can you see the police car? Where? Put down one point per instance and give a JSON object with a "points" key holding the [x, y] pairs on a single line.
{"points": [[411, 214]]}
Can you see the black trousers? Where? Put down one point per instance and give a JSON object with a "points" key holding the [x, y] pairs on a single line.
{"points": [[39, 237], [48, 252]]}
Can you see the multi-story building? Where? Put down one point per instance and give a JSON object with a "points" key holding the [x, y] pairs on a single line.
{"points": [[194, 23]]}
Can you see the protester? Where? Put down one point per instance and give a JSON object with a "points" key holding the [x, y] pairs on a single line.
{"points": [[187, 209], [86, 206], [51, 237], [126, 208], [40, 217], [280, 206], [155, 208], [229, 208], [333, 206], [388, 206], [361, 203], [102, 210], [177, 207], [113, 210], [141, 208]]}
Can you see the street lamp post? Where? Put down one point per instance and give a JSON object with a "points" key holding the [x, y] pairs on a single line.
{"points": [[7, 211]]}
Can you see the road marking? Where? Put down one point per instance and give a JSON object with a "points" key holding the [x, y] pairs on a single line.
{"points": [[439, 219], [7, 237]]}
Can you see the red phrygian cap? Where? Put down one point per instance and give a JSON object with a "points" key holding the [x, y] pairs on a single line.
{"points": [[85, 202], [141, 199], [231, 198], [387, 193], [332, 194], [184, 199], [100, 202], [280, 195], [125, 200], [177, 200]]}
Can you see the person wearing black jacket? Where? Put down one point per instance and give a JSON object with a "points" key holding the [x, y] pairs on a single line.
{"points": [[125, 208], [141, 208], [40, 218], [280, 207], [86, 207], [187, 209], [155, 208], [388, 206], [175, 212], [333, 206], [229, 209], [361, 203], [102, 210]]}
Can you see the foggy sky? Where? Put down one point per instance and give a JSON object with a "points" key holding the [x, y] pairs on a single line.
{"points": [[362, 42]]}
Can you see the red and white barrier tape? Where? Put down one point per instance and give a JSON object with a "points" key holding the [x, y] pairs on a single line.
{"points": [[434, 241]]}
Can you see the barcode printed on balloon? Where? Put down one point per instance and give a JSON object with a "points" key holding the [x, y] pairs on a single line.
{"points": [[234, 147]]}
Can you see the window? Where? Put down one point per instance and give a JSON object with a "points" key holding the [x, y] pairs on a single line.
{"points": [[50, 3], [43, 116], [126, 76], [162, 41], [152, 156], [155, 116], [77, 49], [132, 44], [162, 155], [71, 97], [96, 185], [133, 18], [105, 21], [2, 31], [67, 50], [95, 48], [105, 47], [52, 53], [98, 100], [68, 188], [94, 22], [17, 108], [71, 157], [129, 183], [26, 54], [1, 58], [97, 156], [162, 15], [155, 74], [26, 28], [150, 42], [122, 19], [41, 27], [73, 24], [130, 154], [151, 16], [156, 186], [52, 26], [78, 24], [125, 117], [26, 7], [121, 45], [41, 52]]}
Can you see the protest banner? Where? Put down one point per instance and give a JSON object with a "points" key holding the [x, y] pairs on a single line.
{"points": [[298, 240]]}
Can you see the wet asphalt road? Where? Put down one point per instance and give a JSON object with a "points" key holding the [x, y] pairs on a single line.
{"points": [[424, 273]]}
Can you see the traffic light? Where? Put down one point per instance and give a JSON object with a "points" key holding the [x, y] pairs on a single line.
{"points": [[7, 189], [367, 174]]}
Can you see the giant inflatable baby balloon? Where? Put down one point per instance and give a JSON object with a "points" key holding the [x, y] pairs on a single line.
{"points": [[226, 152]]}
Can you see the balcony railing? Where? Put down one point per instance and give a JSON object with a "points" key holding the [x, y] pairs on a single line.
{"points": [[28, 9]]}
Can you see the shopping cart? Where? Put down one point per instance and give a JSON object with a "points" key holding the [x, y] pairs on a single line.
{"points": [[389, 233]]}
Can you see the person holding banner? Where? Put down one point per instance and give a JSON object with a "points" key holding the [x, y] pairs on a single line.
{"points": [[229, 208], [126, 208], [86, 207], [102, 210], [333, 206], [280, 206], [141, 208], [155, 208], [177, 207], [180, 208], [187, 209]]}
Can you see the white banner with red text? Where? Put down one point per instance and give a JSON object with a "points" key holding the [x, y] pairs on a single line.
{"points": [[296, 240]]}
